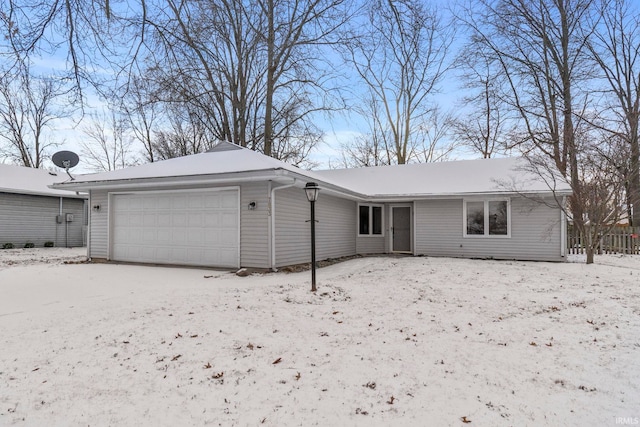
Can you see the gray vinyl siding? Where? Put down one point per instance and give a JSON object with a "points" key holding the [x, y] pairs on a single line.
{"points": [[254, 225], [98, 225], [32, 219], [370, 245], [335, 227], [535, 232]]}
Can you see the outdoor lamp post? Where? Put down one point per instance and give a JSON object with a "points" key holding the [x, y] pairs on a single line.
{"points": [[312, 189]]}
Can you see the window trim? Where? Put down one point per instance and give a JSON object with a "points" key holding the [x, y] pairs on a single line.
{"points": [[370, 234], [486, 234]]}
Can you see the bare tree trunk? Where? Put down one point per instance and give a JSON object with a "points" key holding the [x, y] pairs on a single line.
{"points": [[270, 83]]}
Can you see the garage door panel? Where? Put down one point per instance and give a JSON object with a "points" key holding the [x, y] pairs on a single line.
{"points": [[229, 219], [212, 219], [134, 204], [135, 219], [163, 236], [226, 235], [195, 202], [199, 228], [178, 202], [150, 203], [212, 236], [149, 219], [211, 201], [228, 201], [164, 203], [194, 237], [178, 237], [179, 219], [195, 219]]}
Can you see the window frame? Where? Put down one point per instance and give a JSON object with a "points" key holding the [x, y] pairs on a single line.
{"points": [[370, 206], [486, 234]]}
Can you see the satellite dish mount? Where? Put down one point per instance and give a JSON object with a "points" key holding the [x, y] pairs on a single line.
{"points": [[65, 160]]}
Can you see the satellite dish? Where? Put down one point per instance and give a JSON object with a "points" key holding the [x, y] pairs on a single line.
{"points": [[66, 160]]}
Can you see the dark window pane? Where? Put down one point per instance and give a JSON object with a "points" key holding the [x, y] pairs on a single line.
{"points": [[364, 220], [475, 218], [498, 218], [376, 212]]}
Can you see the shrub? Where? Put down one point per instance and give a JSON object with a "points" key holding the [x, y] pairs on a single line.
{"points": [[29, 245], [48, 244], [8, 246]]}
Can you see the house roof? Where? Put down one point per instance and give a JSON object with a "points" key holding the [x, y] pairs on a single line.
{"points": [[32, 181], [230, 162], [482, 176]]}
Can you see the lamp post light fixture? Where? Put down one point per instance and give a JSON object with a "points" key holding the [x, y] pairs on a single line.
{"points": [[311, 189]]}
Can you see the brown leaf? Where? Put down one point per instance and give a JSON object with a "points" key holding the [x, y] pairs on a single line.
{"points": [[278, 360], [207, 366], [391, 400], [176, 357], [465, 420], [532, 343], [217, 376], [298, 376]]}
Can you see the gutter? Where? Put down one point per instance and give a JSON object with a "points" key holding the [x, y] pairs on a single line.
{"points": [[166, 182]]}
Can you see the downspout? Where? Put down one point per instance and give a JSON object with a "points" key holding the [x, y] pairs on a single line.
{"points": [[272, 223], [563, 228], [58, 224]]}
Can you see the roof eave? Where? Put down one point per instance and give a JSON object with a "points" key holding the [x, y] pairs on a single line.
{"points": [[72, 194], [381, 198], [173, 181]]}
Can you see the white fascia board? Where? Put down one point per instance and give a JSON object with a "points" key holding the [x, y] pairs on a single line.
{"points": [[386, 198], [174, 181], [67, 194]]}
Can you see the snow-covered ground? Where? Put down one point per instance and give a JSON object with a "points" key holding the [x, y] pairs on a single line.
{"points": [[385, 341]]}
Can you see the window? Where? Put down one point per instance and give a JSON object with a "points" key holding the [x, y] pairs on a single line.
{"points": [[487, 218], [370, 220]]}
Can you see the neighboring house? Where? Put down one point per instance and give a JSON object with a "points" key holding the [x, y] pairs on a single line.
{"points": [[31, 212], [233, 207]]}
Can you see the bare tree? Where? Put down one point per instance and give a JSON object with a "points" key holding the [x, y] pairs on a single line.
{"points": [[28, 106], [483, 125], [542, 49], [400, 54], [185, 135], [107, 147], [142, 112], [253, 72], [256, 71], [615, 47], [433, 142]]}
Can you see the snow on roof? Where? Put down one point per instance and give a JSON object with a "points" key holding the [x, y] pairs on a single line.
{"points": [[209, 163], [426, 179], [23, 180], [442, 178], [225, 158]]}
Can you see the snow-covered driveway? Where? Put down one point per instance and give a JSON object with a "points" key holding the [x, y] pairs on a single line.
{"points": [[385, 341]]}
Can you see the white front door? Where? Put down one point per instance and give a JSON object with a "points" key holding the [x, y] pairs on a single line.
{"points": [[178, 227]]}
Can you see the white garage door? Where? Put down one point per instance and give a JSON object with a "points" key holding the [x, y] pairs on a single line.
{"points": [[191, 228]]}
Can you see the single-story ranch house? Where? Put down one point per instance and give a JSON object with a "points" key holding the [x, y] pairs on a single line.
{"points": [[31, 212], [233, 207]]}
